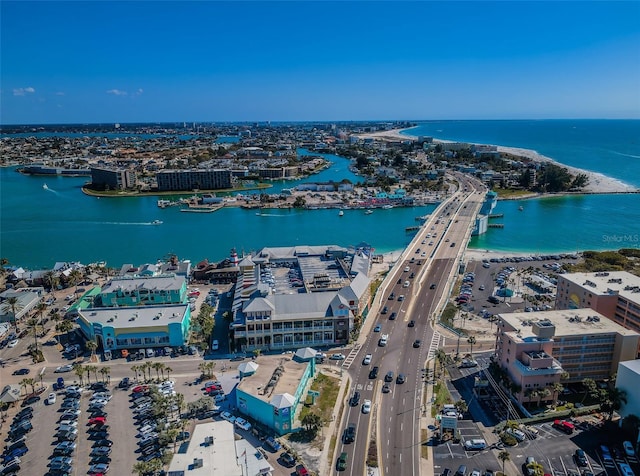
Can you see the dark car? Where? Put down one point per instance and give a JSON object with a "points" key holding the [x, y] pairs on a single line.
{"points": [[103, 442], [124, 383], [385, 310], [392, 317], [417, 343], [350, 434], [581, 458], [412, 323], [355, 399], [401, 378], [433, 286], [100, 460], [21, 372], [30, 400], [493, 300], [287, 460], [389, 376], [373, 373]]}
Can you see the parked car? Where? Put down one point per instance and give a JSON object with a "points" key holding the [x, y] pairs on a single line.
{"points": [[21, 372], [242, 424], [581, 457], [628, 449], [100, 451], [63, 369], [287, 459], [475, 444], [337, 357], [367, 359], [272, 444]]}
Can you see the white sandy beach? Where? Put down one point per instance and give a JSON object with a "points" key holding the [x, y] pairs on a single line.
{"points": [[598, 183]]}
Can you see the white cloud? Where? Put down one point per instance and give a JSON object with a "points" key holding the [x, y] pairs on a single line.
{"points": [[139, 91], [23, 91], [59, 93], [117, 92]]}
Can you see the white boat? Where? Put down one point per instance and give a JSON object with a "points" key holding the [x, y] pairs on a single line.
{"points": [[45, 186], [368, 212], [340, 213], [520, 208], [387, 207], [156, 222], [163, 203]]}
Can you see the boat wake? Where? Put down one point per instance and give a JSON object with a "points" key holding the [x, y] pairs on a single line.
{"points": [[46, 187], [274, 215], [125, 223], [625, 155]]}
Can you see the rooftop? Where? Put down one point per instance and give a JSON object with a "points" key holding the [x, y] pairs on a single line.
{"points": [[136, 316], [623, 283], [211, 448], [286, 372], [165, 282], [566, 322]]}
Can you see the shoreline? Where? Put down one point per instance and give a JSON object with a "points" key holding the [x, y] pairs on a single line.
{"points": [[598, 182]]}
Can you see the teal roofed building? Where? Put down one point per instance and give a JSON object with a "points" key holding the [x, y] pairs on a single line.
{"points": [[143, 290]]}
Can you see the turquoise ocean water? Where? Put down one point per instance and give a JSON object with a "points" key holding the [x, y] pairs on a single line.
{"points": [[40, 226]]}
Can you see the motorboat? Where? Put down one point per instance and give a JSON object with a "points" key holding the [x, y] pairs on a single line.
{"points": [[340, 213], [156, 222], [368, 212]]}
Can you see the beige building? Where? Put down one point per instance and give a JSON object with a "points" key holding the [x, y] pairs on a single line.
{"points": [[614, 294], [538, 350]]}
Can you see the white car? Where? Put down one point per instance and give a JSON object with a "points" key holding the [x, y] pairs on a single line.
{"points": [[101, 396], [215, 345], [243, 424], [366, 360], [51, 399], [337, 357], [628, 448], [366, 406], [228, 416], [13, 343], [63, 369], [73, 423]]}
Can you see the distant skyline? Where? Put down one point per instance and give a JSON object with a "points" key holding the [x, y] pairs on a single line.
{"points": [[101, 62]]}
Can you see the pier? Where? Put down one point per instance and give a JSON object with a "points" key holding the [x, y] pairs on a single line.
{"points": [[495, 225], [497, 215]]}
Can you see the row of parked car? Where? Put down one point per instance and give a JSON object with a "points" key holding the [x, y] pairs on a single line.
{"points": [[16, 446], [149, 426]]}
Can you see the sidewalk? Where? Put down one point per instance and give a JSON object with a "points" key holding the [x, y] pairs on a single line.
{"points": [[326, 459]]}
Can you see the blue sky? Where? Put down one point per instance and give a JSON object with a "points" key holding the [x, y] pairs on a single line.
{"points": [[71, 62]]}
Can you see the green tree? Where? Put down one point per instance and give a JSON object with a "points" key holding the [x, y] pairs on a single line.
{"points": [[504, 456], [34, 327], [157, 366], [614, 398], [441, 359], [312, 423], [92, 345], [79, 371], [64, 327], [299, 202], [591, 389], [106, 373], [471, 340]]}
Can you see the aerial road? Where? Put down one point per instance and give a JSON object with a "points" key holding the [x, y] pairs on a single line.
{"points": [[408, 301]]}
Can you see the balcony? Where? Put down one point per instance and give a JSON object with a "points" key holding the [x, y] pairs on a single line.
{"points": [[527, 371]]}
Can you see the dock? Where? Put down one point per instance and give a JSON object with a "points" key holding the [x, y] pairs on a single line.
{"points": [[495, 225], [496, 215]]}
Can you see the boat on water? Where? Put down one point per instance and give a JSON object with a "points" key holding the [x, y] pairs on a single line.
{"points": [[340, 213], [156, 222], [164, 203], [44, 185], [387, 207], [521, 208], [368, 212]]}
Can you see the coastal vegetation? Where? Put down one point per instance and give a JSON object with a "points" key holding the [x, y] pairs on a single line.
{"points": [[625, 259]]}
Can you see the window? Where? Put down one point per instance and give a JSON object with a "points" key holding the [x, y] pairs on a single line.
{"points": [[149, 340]]}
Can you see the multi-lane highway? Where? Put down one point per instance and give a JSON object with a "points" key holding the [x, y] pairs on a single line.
{"points": [[412, 294]]}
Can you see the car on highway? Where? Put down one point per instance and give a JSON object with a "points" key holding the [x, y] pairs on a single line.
{"points": [[392, 296], [366, 406], [417, 343], [373, 373], [63, 369], [354, 401], [384, 310], [341, 465], [386, 388], [401, 297], [367, 359], [401, 378], [412, 323], [21, 372], [433, 286], [389, 376], [350, 434], [378, 328]]}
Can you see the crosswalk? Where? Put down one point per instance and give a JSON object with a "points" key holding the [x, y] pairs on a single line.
{"points": [[434, 345]]}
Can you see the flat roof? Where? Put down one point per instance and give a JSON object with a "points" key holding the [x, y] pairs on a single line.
{"points": [[633, 365], [564, 326], [219, 458], [166, 282], [288, 381], [135, 316], [604, 283]]}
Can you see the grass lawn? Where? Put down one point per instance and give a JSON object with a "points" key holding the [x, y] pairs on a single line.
{"points": [[511, 193], [328, 388], [442, 396], [424, 448]]}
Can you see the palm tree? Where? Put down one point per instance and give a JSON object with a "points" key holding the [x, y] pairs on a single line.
{"points": [[31, 382], [79, 371], [92, 345], [87, 370], [40, 308], [75, 277], [591, 388], [471, 340], [135, 369], [34, 328], [557, 389], [64, 327], [616, 397], [169, 370], [504, 456], [15, 305], [157, 366], [23, 384], [632, 422], [147, 367], [41, 377], [51, 279], [94, 369], [104, 371], [142, 468]]}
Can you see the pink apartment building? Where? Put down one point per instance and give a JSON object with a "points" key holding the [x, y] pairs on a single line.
{"points": [[540, 349]]}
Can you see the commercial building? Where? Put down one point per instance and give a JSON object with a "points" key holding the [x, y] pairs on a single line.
{"points": [[272, 389], [112, 179], [214, 451], [26, 300], [136, 327], [201, 179], [287, 298], [538, 350], [136, 312]]}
